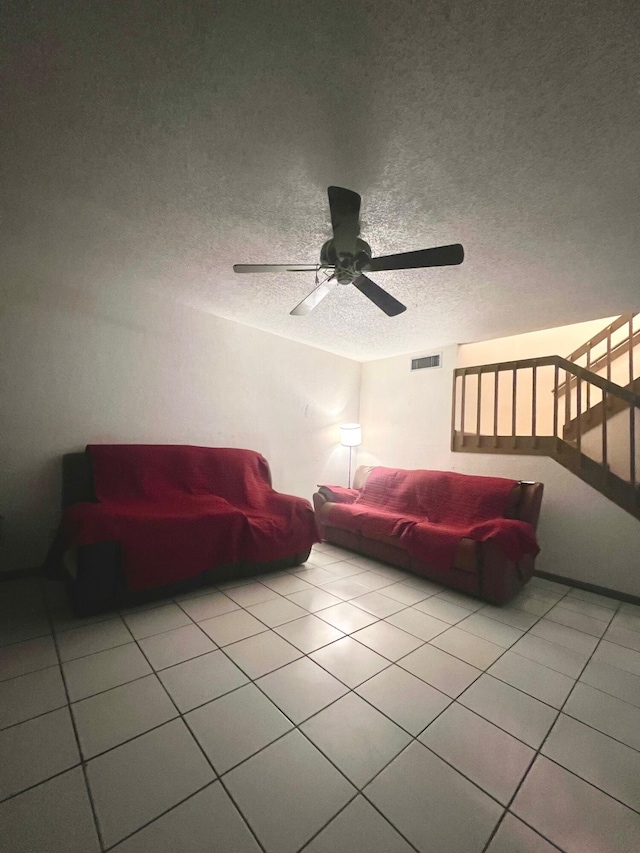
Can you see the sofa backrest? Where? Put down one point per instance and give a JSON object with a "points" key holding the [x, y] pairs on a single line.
{"points": [[524, 504], [360, 477], [78, 481]]}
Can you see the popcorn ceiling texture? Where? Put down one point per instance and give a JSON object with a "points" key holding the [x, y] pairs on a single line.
{"points": [[147, 147]]}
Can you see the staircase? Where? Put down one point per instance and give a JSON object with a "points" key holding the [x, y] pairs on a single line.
{"points": [[554, 406]]}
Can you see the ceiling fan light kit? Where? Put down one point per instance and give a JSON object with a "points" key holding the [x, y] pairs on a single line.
{"points": [[346, 258]]}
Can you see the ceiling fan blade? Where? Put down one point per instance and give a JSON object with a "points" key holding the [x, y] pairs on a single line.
{"points": [[379, 297], [317, 295], [441, 256], [345, 219], [274, 267]]}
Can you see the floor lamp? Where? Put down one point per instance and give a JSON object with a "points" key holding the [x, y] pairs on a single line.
{"points": [[350, 436]]}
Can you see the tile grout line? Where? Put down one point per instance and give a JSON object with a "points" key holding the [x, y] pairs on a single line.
{"points": [[614, 612], [209, 589], [353, 690], [537, 752], [304, 654], [217, 646], [295, 727], [415, 738], [345, 807], [162, 814], [315, 613], [559, 712], [377, 620], [77, 737], [206, 589], [154, 671], [181, 717]]}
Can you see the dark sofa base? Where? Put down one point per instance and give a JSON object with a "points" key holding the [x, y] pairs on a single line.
{"points": [[495, 579], [99, 586]]}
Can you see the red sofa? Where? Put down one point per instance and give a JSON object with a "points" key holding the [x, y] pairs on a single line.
{"points": [[476, 534], [146, 520]]}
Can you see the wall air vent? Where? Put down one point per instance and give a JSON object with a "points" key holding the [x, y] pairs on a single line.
{"points": [[426, 361]]}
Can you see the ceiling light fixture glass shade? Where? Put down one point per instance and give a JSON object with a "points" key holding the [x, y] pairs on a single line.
{"points": [[350, 435]]}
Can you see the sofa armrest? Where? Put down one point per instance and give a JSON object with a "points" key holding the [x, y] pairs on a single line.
{"points": [[530, 502], [333, 494], [338, 494], [77, 479], [319, 500]]}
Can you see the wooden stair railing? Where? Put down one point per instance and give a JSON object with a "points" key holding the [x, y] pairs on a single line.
{"points": [[568, 451], [622, 347], [593, 416]]}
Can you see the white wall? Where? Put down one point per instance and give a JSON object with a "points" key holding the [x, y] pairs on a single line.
{"points": [[73, 374], [406, 422], [405, 414], [559, 341]]}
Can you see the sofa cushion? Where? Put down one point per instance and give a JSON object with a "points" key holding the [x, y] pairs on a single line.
{"points": [[366, 520], [465, 557]]}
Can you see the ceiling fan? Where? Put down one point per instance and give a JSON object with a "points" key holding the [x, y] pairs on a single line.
{"points": [[347, 258]]}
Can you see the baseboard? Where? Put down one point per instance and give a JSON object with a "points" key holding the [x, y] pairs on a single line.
{"points": [[590, 587], [17, 574]]}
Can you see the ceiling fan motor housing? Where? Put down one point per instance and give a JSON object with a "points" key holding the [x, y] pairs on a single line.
{"points": [[348, 267]]}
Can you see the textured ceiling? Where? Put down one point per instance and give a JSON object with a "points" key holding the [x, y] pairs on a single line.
{"points": [[147, 147]]}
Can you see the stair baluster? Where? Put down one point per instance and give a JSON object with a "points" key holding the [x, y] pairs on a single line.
{"points": [[514, 404], [605, 462]]}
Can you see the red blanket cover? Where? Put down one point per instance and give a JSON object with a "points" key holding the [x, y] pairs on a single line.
{"points": [[429, 512], [179, 510]]}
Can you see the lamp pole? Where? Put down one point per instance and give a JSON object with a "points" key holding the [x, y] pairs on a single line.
{"points": [[350, 436]]}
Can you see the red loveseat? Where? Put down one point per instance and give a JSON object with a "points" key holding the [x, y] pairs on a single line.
{"points": [[146, 520], [476, 534]]}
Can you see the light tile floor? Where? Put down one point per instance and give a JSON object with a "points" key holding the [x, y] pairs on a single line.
{"points": [[343, 706]]}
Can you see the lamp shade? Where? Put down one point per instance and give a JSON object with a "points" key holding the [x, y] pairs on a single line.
{"points": [[350, 435]]}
